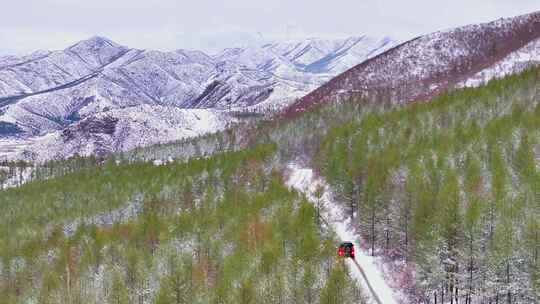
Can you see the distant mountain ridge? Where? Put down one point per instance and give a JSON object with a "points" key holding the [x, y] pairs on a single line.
{"points": [[51, 92], [431, 64]]}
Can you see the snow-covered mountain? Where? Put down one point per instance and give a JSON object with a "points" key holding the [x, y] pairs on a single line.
{"points": [[431, 64], [331, 56], [45, 94], [126, 129]]}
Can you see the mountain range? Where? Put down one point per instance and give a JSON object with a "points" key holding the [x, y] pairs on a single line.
{"points": [[95, 96], [98, 96]]}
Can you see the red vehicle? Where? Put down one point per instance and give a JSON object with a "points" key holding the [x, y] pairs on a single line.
{"points": [[346, 250]]}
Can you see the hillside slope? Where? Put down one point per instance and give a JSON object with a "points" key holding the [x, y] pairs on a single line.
{"points": [[428, 65], [447, 192]]}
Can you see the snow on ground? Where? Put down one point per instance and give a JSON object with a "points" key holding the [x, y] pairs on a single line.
{"points": [[22, 176], [513, 63], [106, 218], [10, 147], [304, 180]]}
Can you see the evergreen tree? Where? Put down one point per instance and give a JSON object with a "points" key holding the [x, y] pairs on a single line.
{"points": [[119, 292]]}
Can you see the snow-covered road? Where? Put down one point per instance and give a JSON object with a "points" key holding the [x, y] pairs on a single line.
{"points": [[303, 180]]}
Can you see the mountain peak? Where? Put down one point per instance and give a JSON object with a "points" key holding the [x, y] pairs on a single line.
{"points": [[97, 51], [96, 43]]}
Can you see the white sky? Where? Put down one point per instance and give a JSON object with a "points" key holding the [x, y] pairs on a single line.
{"points": [[210, 25]]}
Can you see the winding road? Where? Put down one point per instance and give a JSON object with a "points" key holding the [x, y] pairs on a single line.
{"points": [[364, 268]]}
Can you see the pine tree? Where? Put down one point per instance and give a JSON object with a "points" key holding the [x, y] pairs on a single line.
{"points": [[177, 286], [119, 292]]}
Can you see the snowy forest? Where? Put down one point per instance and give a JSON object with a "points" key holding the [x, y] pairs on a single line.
{"points": [[216, 230], [452, 187], [446, 191]]}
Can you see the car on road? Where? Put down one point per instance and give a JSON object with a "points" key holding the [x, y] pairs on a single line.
{"points": [[346, 250]]}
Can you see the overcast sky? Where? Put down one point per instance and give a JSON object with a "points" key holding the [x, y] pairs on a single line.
{"points": [[210, 25]]}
